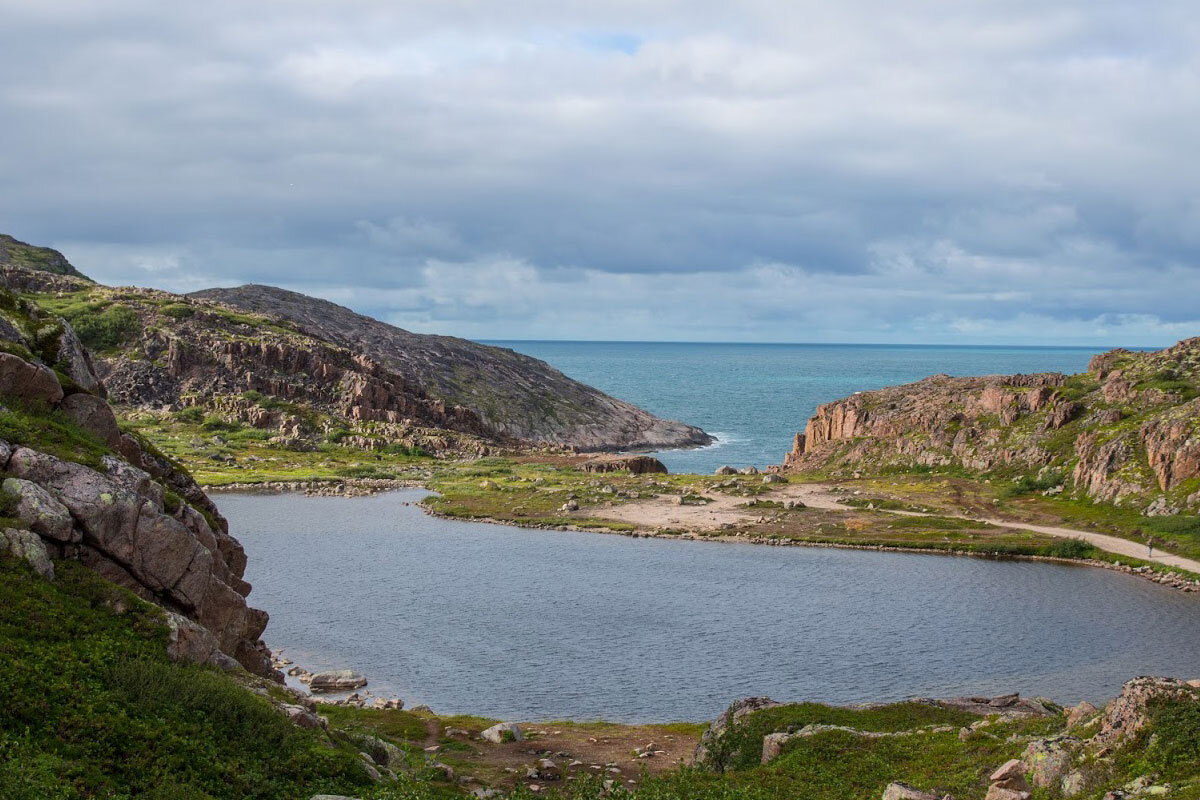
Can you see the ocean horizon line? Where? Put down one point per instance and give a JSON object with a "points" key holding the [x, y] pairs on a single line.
{"points": [[896, 345]]}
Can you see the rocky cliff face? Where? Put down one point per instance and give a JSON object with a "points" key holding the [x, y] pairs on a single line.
{"points": [[75, 486], [515, 395], [1127, 431]]}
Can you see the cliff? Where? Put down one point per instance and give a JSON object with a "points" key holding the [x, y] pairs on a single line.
{"points": [[75, 486], [1127, 431]]}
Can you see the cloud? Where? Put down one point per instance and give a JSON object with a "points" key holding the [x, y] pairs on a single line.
{"points": [[617, 169]]}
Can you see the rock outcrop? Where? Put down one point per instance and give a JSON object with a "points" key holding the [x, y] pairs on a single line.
{"points": [[1127, 431], [635, 465], [82, 489]]}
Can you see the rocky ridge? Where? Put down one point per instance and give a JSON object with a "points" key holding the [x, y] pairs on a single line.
{"points": [[515, 395], [75, 486], [1127, 431]]}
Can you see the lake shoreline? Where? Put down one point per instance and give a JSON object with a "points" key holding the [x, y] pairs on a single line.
{"points": [[365, 487]]}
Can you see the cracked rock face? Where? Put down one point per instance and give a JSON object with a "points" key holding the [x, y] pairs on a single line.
{"points": [[136, 519]]}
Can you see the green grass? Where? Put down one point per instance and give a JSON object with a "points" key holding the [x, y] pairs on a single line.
{"points": [[50, 431], [92, 707], [103, 326], [741, 747]]}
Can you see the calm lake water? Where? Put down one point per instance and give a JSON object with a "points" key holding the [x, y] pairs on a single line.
{"points": [[527, 624], [755, 397]]}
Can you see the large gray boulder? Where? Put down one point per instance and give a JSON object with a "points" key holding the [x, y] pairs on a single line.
{"points": [[502, 732], [336, 681], [38, 509], [28, 546]]}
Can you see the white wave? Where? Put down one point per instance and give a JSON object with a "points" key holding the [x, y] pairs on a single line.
{"points": [[720, 440]]}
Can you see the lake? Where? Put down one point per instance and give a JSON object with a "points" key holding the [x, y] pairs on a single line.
{"points": [[529, 624]]}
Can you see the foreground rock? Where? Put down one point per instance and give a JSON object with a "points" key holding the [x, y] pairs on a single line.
{"points": [[502, 732], [336, 681], [636, 465], [737, 710], [1008, 782], [902, 791], [105, 500]]}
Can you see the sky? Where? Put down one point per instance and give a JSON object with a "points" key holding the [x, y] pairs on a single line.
{"points": [[1003, 171]]}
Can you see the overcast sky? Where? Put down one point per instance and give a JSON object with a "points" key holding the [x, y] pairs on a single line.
{"points": [[1010, 172]]}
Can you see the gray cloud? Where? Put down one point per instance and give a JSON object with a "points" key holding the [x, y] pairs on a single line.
{"points": [[1007, 171]]}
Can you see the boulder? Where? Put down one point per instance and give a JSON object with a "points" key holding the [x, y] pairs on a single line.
{"points": [[729, 718], [301, 717], [748, 471], [1008, 782], [636, 465], [93, 415], [383, 753], [902, 791], [774, 478], [502, 732], [1128, 713], [1009, 773], [725, 470], [1046, 761], [336, 681], [38, 509], [1080, 713], [998, 792], [28, 382], [76, 364], [28, 546]]}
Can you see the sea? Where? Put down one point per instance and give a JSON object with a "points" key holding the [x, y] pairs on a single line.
{"points": [[755, 397]]}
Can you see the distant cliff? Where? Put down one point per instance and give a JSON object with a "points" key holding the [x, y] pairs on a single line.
{"points": [[1127, 431], [305, 370]]}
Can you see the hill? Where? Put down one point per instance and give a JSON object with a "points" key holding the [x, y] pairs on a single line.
{"points": [[1126, 432], [305, 371]]}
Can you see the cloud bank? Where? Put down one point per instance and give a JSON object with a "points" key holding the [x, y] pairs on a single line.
{"points": [[1007, 171]]}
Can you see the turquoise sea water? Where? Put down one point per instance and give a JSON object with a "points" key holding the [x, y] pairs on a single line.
{"points": [[755, 397]]}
